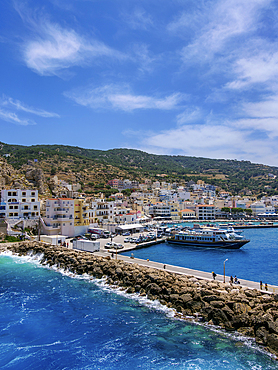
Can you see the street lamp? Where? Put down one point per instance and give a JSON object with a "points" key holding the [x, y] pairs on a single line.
{"points": [[224, 268]]}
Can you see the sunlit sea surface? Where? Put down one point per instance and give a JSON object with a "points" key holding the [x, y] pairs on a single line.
{"points": [[49, 320]]}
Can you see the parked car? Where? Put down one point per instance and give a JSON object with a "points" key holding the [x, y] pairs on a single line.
{"points": [[126, 233], [109, 245], [133, 240], [127, 240], [118, 246]]}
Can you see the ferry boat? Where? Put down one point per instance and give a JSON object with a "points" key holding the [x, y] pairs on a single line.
{"points": [[209, 238]]}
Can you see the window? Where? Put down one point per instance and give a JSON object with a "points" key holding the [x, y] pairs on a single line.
{"points": [[9, 193], [11, 207], [33, 194], [24, 193], [32, 200], [23, 200], [35, 207]]}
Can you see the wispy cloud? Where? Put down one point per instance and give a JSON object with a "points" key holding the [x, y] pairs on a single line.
{"points": [[10, 105], [9, 102], [51, 49], [138, 19], [120, 97], [260, 68], [13, 118], [219, 26]]}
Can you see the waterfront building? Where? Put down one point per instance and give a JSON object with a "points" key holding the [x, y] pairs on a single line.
{"points": [[205, 212], [59, 217], [19, 203], [103, 210], [258, 207], [161, 210], [187, 214], [84, 215]]}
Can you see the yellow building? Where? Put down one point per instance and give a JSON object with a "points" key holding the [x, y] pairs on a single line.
{"points": [[82, 213]]}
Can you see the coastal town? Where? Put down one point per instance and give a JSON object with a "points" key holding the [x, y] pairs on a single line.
{"points": [[72, 212]]}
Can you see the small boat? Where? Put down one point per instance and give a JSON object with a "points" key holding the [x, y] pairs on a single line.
{"points": [[209, 238]]}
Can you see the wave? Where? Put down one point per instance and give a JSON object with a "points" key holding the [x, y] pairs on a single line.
{"points": [[155, 305]]}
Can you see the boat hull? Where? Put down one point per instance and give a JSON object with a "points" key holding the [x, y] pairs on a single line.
{"points": [[229, 244]]}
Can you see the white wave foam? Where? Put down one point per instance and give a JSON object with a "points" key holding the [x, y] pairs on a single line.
{"points": [[142, 300]]}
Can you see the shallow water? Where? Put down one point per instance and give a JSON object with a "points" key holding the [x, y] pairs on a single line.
{"points": [[52, 321], [257, 260]]}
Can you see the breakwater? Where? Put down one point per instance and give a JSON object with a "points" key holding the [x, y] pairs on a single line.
{"points": [[249, 311]]}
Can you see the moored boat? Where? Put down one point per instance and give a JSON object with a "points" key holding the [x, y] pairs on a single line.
{"points": [[209, 238]]}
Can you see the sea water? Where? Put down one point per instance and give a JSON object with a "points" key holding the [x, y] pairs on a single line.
{"points": [[255, 261], [49, 320]]}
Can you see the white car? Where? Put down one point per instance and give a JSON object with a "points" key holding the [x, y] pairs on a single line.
{"points": [[127, 240], [118, 246], [109, 245]]}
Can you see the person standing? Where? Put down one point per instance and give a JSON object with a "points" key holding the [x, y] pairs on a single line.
{"points": [[261, 285], [266, 287], [213, 275]]}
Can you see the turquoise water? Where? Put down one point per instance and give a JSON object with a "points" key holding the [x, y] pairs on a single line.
{"points": [[52, 321], [257, 260]]}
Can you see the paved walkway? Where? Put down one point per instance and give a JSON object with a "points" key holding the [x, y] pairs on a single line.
{"points": [[186, 271]]}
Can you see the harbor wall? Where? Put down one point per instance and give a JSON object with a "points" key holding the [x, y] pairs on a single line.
{"points": [[251, 312]]}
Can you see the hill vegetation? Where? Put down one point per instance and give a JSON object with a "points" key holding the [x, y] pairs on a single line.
{"points": [[93, 168]]}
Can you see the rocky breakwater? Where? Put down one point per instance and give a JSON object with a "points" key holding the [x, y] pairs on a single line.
{"points": [[234, 308]]}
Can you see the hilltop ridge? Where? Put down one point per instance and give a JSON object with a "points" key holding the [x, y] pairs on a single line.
{"points": [[93, 168]]}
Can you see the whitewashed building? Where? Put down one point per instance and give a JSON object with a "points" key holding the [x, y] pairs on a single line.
{"points": [[59, 216], [18, 204]]}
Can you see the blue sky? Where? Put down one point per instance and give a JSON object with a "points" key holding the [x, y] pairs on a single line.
{"points": [[197, 78]]}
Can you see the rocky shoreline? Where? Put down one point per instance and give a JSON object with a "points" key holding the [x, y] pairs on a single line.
{"points": [[250, 312]]}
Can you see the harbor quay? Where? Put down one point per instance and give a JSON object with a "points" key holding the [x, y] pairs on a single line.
{"points": [[192, 294], [130, 247]]}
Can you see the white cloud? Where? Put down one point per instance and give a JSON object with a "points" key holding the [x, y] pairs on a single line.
{"points": [[9, 102], [13, 118], [227, 20], [53, 49], [189, 115], [120, 97], [213, 141], [261, 68]]}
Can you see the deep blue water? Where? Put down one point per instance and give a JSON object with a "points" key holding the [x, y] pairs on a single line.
{"points": [[257, 260], [52, 321]]}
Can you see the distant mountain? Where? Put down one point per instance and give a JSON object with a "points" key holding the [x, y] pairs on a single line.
{"points": [[93, 168]]}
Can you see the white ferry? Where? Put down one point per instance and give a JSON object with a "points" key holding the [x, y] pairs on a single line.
{"points": [[209, 238]]}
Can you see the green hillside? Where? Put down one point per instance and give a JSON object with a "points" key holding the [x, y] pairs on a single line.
{"points": [[98, 166]]}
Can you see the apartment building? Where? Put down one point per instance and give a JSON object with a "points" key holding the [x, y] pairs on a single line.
{"points": [[205, 212], [17, 204], [59, 215], [103, 210]]}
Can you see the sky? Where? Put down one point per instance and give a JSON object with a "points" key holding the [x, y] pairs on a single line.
{"points": [[196, 78]]}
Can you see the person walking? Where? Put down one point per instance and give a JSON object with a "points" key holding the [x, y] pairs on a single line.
{"points": [[213, 275]]}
